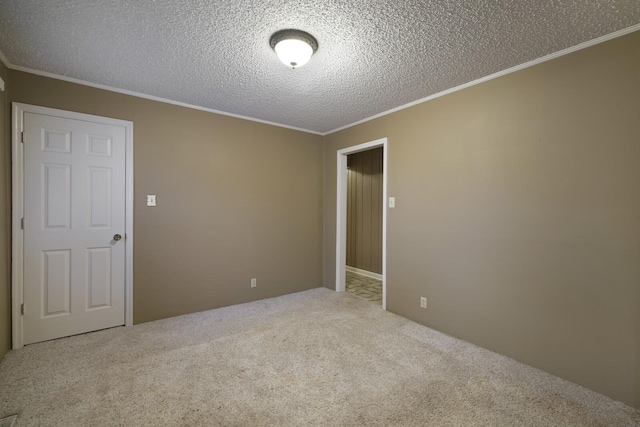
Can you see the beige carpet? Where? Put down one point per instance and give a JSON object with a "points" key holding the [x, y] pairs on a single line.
{"points": [[313, 358]]}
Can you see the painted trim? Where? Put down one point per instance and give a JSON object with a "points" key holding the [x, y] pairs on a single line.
{"points": [[17, 234], [17, 209], [364, 273], [128, 226], [341, 213], [537, 61]]}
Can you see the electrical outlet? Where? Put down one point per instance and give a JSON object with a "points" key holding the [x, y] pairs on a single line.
{"points": [[254, 282], [423, 302]]}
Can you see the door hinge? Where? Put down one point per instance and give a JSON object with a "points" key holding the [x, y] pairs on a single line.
{"points": [[22, 309], [22, 137], [22, 223]]}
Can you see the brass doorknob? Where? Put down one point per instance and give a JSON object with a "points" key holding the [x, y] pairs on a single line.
{"points": [[117, 237]]}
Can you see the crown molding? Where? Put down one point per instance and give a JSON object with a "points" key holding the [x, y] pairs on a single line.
{"points": [[540, 60], [145, 96], [537, 61], [4, 60]]}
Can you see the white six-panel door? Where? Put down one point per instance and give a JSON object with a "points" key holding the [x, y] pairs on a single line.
{"points": [[74, 205]]}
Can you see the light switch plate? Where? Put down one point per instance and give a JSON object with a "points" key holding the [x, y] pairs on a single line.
{"points": [[392, 202], [151, 200]]}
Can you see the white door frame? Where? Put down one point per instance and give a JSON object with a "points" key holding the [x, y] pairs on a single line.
{"points": [[17, 209], [341, 220]]}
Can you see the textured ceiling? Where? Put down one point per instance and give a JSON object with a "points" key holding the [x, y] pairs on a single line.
{"points": [[373, 55]]}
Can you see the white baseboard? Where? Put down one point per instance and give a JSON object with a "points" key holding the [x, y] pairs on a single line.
{"points": [[364, 272]]}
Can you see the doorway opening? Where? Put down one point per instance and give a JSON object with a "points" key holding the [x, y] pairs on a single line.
{"points": [[361, 263], [364, 224]]}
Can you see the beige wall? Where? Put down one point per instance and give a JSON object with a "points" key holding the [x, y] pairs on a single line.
{"points": [[236, 200], [5, 224], [364, 210], [518, 215]]}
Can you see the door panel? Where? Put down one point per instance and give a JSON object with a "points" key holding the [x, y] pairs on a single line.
{"points": [[99, 198], [74, 203], [99, 285], [56, 187], [56, 282]]}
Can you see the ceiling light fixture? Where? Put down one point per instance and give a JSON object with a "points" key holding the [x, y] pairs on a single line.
{"points": [[293, 47]]}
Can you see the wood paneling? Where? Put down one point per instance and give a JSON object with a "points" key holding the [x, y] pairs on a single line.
{"points": [[364, 210]]}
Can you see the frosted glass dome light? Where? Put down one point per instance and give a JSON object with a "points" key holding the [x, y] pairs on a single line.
{"points": [[294, 53], [293, 47]]}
